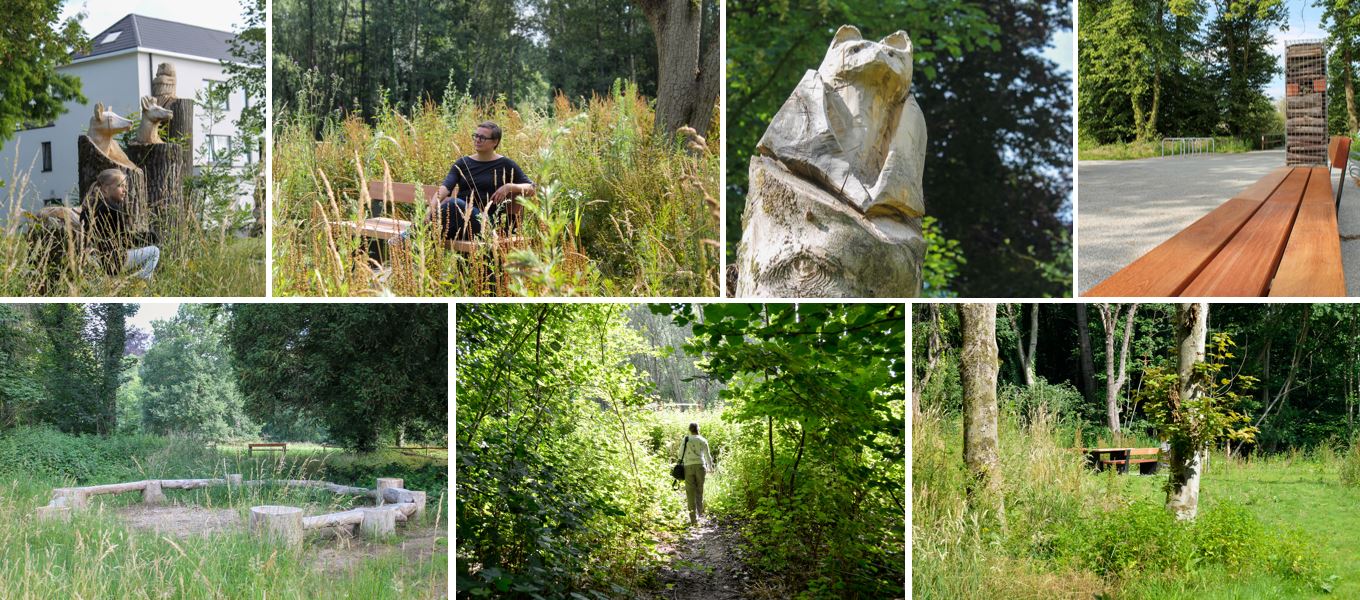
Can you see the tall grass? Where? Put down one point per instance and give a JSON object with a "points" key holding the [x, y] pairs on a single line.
{"points": [[1073, 533], [196, 259], [96, 555], [620, 211]]}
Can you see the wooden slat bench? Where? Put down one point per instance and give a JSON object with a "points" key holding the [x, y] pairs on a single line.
{"points": [[267, 447], [1140, 457], [1279, 237]]}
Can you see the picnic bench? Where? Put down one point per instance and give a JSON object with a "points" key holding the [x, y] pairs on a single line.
{"points": [[1278, 237], [1147, 459], [267, 447]]}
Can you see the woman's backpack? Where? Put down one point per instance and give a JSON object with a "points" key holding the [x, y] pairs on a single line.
{"points": [[678, 471]]}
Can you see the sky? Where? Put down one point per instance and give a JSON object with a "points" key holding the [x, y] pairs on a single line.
{"points": [[224, 15], [153, 311]]}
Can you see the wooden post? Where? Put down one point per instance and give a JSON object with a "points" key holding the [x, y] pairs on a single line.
{"points": [[181, 129], [152, 494], [378, 522], [384, 483], [164, 167], [282, 523]]}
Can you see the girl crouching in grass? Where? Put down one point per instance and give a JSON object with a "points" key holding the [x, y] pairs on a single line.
{"points": [[108, 224]]}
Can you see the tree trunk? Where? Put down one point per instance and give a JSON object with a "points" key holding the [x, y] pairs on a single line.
{"points": [[180, 130], [164, 167], [1188, 462], [1088, 371], [934, 349], [1352, 115], [978, 367], [687, 55], [1109, 317]]}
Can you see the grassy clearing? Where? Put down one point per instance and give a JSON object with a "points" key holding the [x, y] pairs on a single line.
{"points": [[620, 211], [1136, 150], [1278, 527], [97, 555]]}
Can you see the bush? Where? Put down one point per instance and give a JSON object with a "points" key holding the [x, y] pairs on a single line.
{"points": [[28, 452], [1349, 470]]}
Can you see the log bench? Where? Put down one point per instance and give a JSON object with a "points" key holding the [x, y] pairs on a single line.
{"points": [[267, 447]]}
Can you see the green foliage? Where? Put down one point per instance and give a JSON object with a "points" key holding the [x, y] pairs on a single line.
{"points": [[189, 385], [83, 459], [366, 370], [1349, 471], [1204, 418], [560, 469], [941, 264], [821, 506], [1041, 398], [35, 43], [620, 211]]}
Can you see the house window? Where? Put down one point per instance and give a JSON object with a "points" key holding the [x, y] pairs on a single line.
{"points": [[226, 96], [47, 157], [221, 148]]}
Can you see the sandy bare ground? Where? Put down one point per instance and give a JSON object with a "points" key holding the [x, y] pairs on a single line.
{"points": [[335, 551]]}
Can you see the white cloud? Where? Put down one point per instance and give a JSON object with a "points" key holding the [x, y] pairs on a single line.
{"points": [[153, 311]]}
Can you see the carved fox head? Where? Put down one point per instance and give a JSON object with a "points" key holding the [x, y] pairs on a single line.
{"points": [[154, 112], [885, 63], [105, 122]]}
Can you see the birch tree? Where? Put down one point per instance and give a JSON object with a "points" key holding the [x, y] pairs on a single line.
{"points": [[1114, 379], [978, 367]]}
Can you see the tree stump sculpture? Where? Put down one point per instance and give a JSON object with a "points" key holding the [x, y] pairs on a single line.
{"points": [[97, 151], [835, 203]]}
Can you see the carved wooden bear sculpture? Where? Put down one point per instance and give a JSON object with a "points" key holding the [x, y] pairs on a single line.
{"points": [[835, 201]]}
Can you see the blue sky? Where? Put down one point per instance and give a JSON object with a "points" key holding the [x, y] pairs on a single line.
{"points": [[224, 15]]}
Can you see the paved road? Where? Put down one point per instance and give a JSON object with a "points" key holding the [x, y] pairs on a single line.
{"points": [[1127, 207]]}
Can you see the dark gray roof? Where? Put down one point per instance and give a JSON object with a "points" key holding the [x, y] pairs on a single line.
{"points": [[137, 31]]}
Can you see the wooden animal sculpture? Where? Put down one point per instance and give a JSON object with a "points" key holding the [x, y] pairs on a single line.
{"points": [[103, 126], [152, 117], [835, 204]]}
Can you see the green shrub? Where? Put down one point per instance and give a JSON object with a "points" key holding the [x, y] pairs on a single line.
{"points": [[1349, 470]]}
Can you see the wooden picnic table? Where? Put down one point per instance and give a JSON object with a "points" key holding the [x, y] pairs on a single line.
{"points": [[1120, 456], [1278, 237]]}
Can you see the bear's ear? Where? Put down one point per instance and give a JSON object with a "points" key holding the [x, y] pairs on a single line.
{"points": [[847, 33], [98, 109], [899, 40]]}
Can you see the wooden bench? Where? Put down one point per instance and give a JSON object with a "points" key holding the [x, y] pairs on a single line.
{"points": [[1278, 237], [267, 447], [1138, 456], [385, 228]]}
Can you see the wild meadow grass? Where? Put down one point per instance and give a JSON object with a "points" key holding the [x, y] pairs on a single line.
{"points": [[97, 555], [1270, 527], [196, 260], [620, 211]]}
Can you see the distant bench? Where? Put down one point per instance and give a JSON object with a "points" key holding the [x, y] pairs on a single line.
{"points": [[1278, 237], [1147, 459], [267, 447]]}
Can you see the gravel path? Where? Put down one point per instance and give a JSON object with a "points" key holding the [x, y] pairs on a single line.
{"points": [[1127, 207]]}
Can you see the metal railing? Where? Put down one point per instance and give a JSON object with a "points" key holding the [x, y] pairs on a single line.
{"points": [[1188, 145]]}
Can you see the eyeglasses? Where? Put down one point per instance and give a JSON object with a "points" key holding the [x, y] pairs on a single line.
{"points": [[481, 138]]}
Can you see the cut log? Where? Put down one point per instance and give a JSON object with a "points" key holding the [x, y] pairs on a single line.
{"points": [[113, 488], [419, 501], [74, 498], [190, 484], [164, 167], [280, 523], [91, 161], [152, 494], [382, 484], [395, 495], [234, 480], [181, 129], [378, 523], [346, 518]]}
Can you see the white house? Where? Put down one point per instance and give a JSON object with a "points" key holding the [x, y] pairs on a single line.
{"points": [[117, 72]]}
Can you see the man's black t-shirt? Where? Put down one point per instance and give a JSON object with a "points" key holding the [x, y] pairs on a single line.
{"points": [[477, 180]]}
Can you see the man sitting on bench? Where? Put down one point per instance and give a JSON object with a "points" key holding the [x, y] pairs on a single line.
{"points": [[483, 185]]}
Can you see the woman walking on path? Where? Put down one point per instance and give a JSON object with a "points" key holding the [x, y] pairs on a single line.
{"points": [[694, 455]]}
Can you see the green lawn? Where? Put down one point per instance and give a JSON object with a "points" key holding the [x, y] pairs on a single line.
{"points": [[1283, 493]]}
